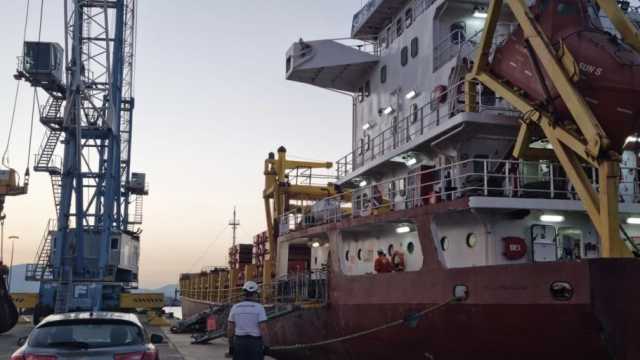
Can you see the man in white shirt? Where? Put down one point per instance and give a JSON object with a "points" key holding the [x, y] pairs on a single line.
{"points": [[247, 328]]}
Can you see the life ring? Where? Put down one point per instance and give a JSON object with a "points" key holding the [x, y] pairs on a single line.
{"points": [[439, 93], [515, 248], [397, 260]]}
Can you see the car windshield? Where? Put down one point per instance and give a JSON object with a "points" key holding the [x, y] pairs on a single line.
{"points": [[86, 335]]}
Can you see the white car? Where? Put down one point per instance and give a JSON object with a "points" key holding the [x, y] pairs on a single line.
{"points": [[86, 335]]}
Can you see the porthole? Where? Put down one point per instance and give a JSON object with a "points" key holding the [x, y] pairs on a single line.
{"points": [[472, 240], [359, 254], [411, 247], [383, 74], [444, 243], [390, 249], [404, 56], [561, 291], [346, 255]]}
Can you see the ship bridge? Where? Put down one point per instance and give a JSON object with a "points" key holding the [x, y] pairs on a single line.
{"points": [[341, 64], [374, 16]]}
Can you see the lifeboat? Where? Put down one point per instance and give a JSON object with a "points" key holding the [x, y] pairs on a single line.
{"points": [[607, 70], [8, 311]]}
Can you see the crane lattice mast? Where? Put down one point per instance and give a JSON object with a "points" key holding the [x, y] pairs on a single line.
{"points": [[94, 250]]}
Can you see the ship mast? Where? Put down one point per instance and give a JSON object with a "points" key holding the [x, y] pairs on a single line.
{"points": [[234, 223]]}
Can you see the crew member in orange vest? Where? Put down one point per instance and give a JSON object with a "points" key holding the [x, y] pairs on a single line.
{"points": [[382, 263]]}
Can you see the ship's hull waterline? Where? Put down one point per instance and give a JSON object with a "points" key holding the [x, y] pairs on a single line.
{"points": [[509, 314]]}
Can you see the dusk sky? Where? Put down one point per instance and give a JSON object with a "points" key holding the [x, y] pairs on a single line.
{"points": [[211, 102]]}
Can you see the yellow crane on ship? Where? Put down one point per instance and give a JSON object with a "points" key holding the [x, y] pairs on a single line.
{"points": [[556, 66], [279, 194]]}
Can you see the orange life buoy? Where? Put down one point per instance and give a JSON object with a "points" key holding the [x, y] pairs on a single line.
{"points": [[397, 260]]}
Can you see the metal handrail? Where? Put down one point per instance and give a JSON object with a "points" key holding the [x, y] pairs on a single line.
{"points": [[474, 177], [299, 287], [404, 131]]}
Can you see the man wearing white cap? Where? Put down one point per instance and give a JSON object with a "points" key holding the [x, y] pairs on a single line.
{"points": [[247, 329]]}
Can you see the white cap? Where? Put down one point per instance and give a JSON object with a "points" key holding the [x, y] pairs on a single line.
{"points": [[250, 286]]}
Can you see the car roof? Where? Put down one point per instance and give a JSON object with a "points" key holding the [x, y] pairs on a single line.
{"points": [[99, 315]]}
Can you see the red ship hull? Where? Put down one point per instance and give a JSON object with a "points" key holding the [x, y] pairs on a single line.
{"points": [[510, 313]]}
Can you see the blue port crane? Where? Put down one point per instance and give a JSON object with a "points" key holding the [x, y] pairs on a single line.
{"points": [[89, 255]]}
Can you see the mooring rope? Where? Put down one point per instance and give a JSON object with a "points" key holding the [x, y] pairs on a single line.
{"points": [[361, 333]]}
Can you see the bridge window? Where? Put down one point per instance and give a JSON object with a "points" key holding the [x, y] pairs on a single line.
{"points": [[114, 244], [388, 37], [414, 47], [361, 94], [408, 17], [383, 74], [367, 88], [414, 113], [399, 27], [404, 56], [382, 41]]}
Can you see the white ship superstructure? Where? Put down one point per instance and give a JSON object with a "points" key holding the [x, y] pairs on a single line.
{"points": [[413, 143]]}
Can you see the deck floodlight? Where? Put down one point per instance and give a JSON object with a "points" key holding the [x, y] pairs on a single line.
{"points": [[411, 95], [315, 244], [632, 139], [363, 183], [403, 229], [388, 110], [479, 12], [633, 220], [412, 161], [552, 218], [367, 126]]}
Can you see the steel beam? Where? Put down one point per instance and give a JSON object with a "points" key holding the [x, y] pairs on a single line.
{"points": [[569, 148]]}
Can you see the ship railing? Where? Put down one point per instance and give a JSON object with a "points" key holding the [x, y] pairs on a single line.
{"points": [[311, 177], [473, 177], [369, 46], [459, 44], [300, 288], [412, 127], [294, 288]]}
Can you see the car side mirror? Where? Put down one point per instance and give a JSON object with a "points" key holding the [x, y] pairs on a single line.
{"points": [[21, 341], [156, 339]]}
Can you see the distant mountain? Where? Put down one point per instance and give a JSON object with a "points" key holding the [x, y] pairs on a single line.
{"points": [[18, 284], [169, 290]]}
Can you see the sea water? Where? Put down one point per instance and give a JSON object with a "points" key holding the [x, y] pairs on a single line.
{"points": [[176, 310]]}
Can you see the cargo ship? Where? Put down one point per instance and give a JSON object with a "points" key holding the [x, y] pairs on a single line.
{"points": [[493, 167]]}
